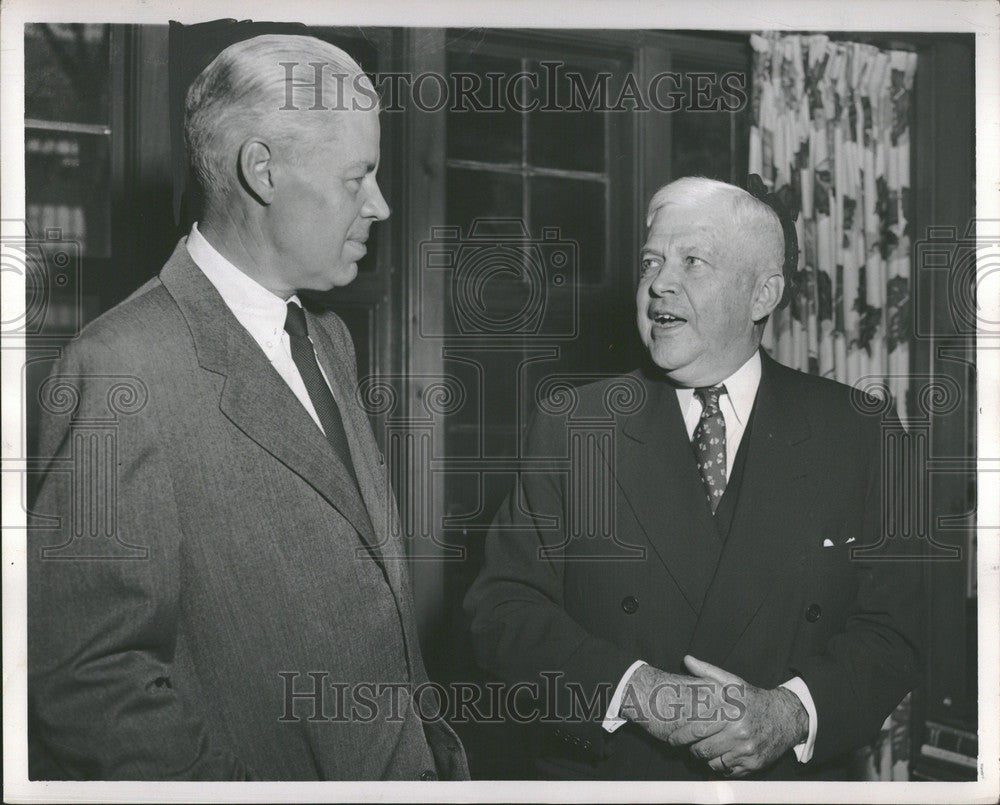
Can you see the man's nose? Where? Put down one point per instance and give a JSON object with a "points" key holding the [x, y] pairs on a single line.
{"points": [[376, 206], [666, 279]]}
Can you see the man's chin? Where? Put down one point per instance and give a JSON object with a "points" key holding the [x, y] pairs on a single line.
{"points": [[344, 274], [669, 360], [679, 369]]}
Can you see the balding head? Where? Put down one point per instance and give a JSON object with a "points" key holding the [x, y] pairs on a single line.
{"points": [[265, 86], [711, 275], [284, 136], [756, 230]]}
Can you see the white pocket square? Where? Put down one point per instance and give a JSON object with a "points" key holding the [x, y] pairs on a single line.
{"points": [[827, 543]]}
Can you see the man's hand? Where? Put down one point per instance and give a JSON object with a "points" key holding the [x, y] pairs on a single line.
{"points": [[664, 704], [770, 723]]}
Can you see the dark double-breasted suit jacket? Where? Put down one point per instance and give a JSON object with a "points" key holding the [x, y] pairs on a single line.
{"points": [[768, 588], [237, 564]]}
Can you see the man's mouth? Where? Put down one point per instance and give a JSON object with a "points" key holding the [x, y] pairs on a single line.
{"points": [[359, 242], [667, 320]]}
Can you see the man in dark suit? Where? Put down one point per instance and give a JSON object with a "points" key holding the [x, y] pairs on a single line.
{"points": [[723, 622], [243, 617]]}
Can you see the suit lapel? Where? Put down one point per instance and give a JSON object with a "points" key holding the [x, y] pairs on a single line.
{"points": [[658, 477], [334, 357], [779, 481], [384, 545], [254, 396]]}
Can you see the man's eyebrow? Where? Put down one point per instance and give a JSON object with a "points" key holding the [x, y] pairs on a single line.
{"points": [[362, 163]]}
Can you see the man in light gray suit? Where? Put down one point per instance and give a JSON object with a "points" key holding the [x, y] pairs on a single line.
{"points": [[240, 619]]}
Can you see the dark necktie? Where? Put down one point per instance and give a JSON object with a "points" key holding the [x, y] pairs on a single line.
{"points": [[709, 444], [319, 392]]}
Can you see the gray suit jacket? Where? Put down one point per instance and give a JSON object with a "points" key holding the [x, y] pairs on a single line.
{"points": [[198, 559]]}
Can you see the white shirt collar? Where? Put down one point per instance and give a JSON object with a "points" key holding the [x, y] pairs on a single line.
{"points": [[741, 387], [261, 312]]}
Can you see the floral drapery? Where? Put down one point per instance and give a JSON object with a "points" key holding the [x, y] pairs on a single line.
{"points": [[831, 136]]}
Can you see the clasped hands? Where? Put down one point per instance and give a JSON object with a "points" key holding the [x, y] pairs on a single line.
{"points": [[735, 727]]}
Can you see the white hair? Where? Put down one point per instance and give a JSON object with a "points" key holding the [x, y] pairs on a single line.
{"points": [[247, 90], [758, 223]]}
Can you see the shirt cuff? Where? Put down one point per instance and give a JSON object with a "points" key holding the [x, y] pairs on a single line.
{"points": [[804, 750], [612, 721]]}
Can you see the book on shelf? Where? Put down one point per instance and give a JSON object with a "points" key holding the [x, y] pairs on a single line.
{"points": [[949, 752]]}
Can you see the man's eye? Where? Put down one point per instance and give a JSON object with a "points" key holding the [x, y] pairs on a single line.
{"points": [[649, 263], [691, 260]]}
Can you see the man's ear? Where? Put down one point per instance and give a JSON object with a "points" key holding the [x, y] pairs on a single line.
{"points": [[768, 295], [256, 170]]}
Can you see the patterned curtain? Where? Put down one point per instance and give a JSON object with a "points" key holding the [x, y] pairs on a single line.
{"points": [[831, 136]]}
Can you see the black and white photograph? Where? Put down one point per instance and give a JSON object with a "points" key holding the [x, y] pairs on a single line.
{"points": [[501, 401]]}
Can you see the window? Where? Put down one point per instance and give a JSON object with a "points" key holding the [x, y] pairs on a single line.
{"points": [[547, 167], [67, 143]]}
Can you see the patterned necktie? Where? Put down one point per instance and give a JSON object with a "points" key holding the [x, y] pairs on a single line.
{"points": [[709, 444], [319, 392]]}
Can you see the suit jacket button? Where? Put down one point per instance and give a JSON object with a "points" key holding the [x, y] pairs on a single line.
{"points": [[427, 775], [813, 612], [629, 604]]}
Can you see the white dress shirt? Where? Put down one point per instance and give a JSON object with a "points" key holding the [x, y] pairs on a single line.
{"points": [[736, 405], [261, 312]]}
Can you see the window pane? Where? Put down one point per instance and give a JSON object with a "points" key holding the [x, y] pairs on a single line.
{"points": [[475, 194], [487, 136], [67, 187], [492, 292], [702, 141], [576, 207], [570, 140], [66, 72]]}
